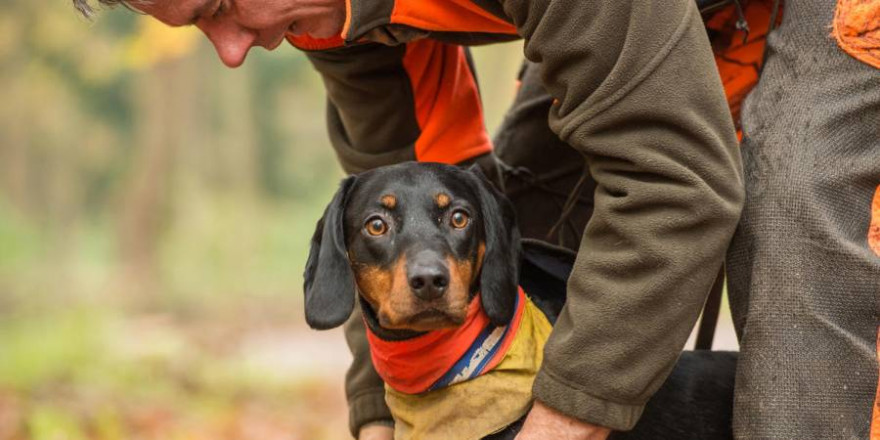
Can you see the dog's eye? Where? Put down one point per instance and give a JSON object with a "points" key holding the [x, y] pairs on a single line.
{"points": [[376, 227], [459, 219]]}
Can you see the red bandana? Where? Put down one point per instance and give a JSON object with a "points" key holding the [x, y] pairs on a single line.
{"points": [[444, 357]]}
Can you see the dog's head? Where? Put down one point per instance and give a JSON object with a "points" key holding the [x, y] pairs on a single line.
{"points": [[417, 241]]}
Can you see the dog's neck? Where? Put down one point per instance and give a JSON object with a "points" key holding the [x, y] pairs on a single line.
{"points": [[415, 362]]}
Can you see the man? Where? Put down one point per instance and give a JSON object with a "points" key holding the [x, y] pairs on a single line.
{"points": [[633, 98], [804, 265]]}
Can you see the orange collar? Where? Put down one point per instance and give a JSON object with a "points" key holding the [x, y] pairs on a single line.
{"points": [[444, 357]]}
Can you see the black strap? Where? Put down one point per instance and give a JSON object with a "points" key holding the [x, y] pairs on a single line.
{"points": [[565, 202], [709, 320]]}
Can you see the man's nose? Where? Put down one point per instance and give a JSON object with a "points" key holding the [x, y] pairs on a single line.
{"points": [[231, 42]]}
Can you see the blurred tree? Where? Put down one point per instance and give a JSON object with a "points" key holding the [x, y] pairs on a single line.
{"points": [[129, 140]]}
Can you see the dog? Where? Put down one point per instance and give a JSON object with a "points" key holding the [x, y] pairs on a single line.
{"points": [[448, 290], [433, 252]]}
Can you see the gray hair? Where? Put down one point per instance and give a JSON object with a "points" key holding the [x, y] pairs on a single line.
{"points": [[84, 7]]}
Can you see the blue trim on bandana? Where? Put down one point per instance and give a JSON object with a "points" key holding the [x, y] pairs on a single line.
{"points": [[449, 377]]}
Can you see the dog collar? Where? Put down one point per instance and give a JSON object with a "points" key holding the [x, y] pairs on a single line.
{"points": [[440, 358]]}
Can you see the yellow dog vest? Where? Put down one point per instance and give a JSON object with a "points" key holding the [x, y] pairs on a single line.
{"points": [[480, 406]]}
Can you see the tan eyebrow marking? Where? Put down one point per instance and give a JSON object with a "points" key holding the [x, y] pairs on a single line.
{"points": [[442, 200], [388, 201]]}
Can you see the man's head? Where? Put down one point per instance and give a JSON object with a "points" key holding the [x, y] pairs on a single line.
{"points": [[234, 26]]}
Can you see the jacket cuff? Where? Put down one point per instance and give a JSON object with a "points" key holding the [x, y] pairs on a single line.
{"points": [[367, 406], [566, 398]]}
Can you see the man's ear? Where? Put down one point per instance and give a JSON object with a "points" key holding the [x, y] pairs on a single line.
{"points": [[500, 269], [329, 282]]}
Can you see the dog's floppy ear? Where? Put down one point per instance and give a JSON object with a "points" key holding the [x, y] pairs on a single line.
{"points": [[500, 270], [329, 282]]}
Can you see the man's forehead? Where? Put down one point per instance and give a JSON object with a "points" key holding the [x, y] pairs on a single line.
{"points": [[174, 12]]}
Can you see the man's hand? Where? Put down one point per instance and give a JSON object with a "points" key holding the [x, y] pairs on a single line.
{"points": [[376, 432], [544, 422]]}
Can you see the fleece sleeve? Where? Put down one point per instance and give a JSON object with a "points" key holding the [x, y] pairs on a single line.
{"points": [[638, 94]]}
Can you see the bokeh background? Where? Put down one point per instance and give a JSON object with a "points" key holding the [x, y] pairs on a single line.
{"points": [[155, 211]]}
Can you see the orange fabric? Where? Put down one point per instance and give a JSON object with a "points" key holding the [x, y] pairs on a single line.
{"points": [[448, 16], [305, 42], [346, 25], [447, 103], [739, 63], [857, 29], [413, 365], [874, 228], [875, 418], [874, 244]]}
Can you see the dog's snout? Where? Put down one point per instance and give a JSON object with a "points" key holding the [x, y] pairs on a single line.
{"points": [[428, 276], [429, 283]]}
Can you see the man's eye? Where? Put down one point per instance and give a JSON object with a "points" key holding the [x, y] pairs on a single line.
{"points": [[219, 10]]}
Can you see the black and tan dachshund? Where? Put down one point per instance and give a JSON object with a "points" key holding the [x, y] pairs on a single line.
{"points": [[417, 240], [415, 243]]}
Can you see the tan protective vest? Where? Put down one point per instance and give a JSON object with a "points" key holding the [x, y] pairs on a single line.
{"points": [[481, 406]]}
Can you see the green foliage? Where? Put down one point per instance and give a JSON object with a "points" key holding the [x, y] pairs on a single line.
{"points": [[47, 423], [42, 351], [19, 242]]}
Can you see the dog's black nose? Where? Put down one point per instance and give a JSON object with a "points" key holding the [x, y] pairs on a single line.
{"points": [[428, 277], [429, 283]]}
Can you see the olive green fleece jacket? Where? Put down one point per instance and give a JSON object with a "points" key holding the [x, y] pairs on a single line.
{"points": [[638, 94]]}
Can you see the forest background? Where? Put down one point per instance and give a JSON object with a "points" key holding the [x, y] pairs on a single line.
{"points": [[155, 211]]}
